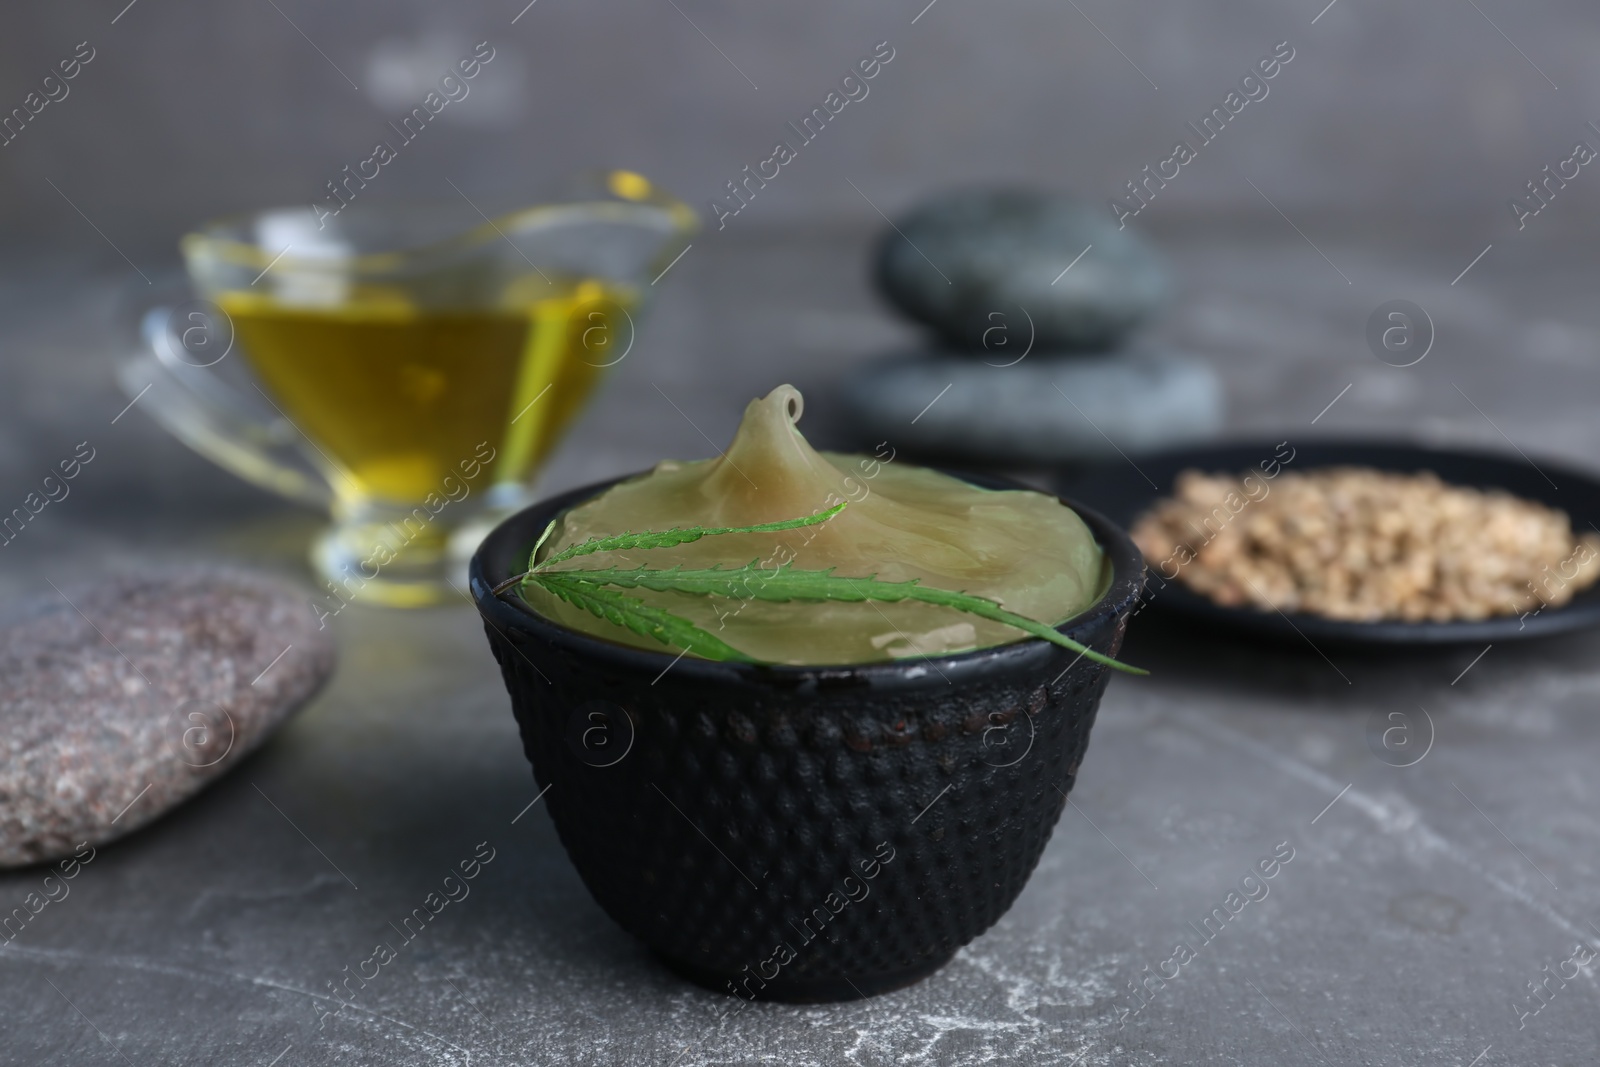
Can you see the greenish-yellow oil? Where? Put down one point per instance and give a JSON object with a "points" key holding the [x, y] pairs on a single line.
{"points": [[396, 396]]}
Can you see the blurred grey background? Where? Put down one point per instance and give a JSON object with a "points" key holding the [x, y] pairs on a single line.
{"points": [[1415, 111], [1378, 167]]}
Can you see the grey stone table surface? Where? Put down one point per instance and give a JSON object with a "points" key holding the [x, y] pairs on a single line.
{"points": [[1419, 905]]}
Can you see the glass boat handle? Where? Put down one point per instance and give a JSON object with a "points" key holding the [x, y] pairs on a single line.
{"points": [[191, 396]]}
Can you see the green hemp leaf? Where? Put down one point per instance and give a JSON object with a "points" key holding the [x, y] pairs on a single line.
{"points": [[597, 590]]}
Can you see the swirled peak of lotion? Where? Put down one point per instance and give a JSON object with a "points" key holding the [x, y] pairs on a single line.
{"points": [[1023, 549]]}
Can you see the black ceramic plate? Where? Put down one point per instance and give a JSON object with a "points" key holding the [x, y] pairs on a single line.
{"points": [[1121, 493]]}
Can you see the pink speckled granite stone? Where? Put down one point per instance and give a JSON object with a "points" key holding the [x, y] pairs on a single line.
{"points": [[127, 700]]}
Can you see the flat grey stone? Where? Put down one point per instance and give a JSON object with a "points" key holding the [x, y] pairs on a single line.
{"points": [[121, 698], [1044, 409], [978, 265]]}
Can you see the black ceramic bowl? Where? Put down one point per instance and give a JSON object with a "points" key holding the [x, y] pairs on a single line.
{"points": [[800, 833]]}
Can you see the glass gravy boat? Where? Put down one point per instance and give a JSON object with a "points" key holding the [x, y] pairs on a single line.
{"points": [[407, 369]]}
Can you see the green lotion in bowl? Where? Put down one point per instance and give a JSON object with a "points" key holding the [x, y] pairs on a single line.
{"points": [[1024, 550]]}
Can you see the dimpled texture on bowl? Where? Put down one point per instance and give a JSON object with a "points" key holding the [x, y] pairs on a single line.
{"points": [[716, 810]]}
